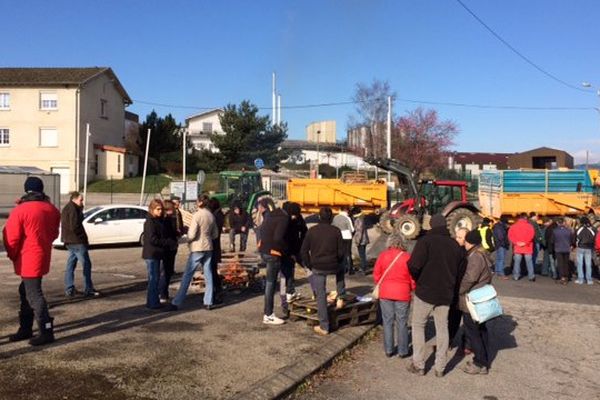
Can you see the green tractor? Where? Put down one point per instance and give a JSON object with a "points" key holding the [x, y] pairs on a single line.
{"points": [[244, 187]]}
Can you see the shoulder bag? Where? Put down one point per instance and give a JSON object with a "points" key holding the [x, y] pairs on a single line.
{"points": [[375, 293]]}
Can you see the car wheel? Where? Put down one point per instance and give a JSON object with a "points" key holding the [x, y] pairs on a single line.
{"points": [[141, 242]]}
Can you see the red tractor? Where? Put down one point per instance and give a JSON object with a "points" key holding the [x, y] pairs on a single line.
{"points": [[429, 197]]}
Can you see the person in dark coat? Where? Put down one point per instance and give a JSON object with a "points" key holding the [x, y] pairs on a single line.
{"points": [[549, 262], [28, 234], [323, 252], [562, 239], [167, 268], [75, 238], [500, 232], [239, 224], [294, 236], [435, 265], [272, 247], [155, 244], [477, 274], [215, 207]]}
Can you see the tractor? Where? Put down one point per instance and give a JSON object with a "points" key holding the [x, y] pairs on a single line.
{"points": [[243, 187], [426, 198]]}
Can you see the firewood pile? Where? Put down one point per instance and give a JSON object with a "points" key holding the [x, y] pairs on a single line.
{"points": [[234, 275]]}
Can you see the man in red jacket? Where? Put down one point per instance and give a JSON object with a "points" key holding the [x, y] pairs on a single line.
{"points": [[521, 235], [28, 235]]}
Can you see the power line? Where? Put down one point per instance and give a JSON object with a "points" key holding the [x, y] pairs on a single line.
{"points": [[518, 53], [406, 100]]}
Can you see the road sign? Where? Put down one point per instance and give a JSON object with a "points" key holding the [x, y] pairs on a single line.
{"points": [[259, 163]]}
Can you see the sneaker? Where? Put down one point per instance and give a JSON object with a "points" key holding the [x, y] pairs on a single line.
{"points": [[414, 370], [472, 369], [590, 282], [290, 297], [164, 300], [172, 307], [272, 320], [531, 279], [92, 293], [320, 331], [70, 293], [579, 282]]}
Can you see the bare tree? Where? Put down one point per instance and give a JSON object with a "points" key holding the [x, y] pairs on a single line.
{"points": [[422, 140], [371, 110]]}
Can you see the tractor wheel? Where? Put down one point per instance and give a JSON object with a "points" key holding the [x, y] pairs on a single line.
{"points": [[462, 218], [386, 223], [408, 225]]}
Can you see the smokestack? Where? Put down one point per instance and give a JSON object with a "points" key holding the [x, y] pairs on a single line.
{"points": [[278, 109], [274, 119]]}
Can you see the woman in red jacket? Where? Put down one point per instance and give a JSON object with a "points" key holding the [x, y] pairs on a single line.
{"points": [[395, 290]]}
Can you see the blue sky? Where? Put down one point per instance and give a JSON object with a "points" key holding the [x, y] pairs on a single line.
{"points": [[210, 53]]}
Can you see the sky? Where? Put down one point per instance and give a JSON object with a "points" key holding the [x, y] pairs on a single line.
{"points": [[182, 57]]}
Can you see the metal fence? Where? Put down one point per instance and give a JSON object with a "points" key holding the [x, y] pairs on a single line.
{"points": [[11, 188], [279, 189]]}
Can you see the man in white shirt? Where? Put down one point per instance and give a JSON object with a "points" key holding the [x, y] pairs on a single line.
{"points": [[343, 222]]}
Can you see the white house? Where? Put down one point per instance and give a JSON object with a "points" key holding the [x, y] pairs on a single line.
{"points": [[200, 127]]}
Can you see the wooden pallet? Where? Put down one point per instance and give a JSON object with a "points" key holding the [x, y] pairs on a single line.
{"points": [[352, 314]]}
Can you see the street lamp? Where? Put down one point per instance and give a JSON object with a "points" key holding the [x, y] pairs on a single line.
{"points": [[318, 154]]}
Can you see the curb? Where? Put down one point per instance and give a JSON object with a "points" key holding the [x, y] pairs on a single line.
{"points": [[286, 379]]}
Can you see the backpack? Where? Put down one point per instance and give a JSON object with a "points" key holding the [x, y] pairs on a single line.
{"points": [[585, 237]]}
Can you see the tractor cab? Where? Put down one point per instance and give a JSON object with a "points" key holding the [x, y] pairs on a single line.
{"points": [[239, 186], [438, 194]]}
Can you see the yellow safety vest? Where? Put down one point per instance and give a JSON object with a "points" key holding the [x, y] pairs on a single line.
{"points": [[483, 233]]}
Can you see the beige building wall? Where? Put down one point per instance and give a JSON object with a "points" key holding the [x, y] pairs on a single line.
{"points": [[326, 129], [111, 164], [25, 119]]}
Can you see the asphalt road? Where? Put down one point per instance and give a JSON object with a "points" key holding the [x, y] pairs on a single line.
{"points": [[544, 347]]}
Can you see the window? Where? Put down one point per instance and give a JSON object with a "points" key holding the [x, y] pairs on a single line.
{"points": [[96, 164], [118, 163], [4, 137], [207, 127], [103, 108], [48, 101], [4, 101], [48, 137]]}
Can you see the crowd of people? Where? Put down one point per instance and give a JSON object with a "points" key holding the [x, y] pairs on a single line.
{"points": [[432, 279]]}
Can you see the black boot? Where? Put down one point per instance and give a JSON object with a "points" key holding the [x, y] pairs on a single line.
{"points": [[46, 334], [25, 328]]}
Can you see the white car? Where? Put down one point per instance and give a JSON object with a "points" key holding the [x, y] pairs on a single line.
{"points": [[114, 223]]}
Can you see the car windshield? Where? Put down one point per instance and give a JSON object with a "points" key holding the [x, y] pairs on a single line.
{"points": [[89, 212]]}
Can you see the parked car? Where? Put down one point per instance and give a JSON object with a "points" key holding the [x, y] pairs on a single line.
{"points": [[114, 223]]}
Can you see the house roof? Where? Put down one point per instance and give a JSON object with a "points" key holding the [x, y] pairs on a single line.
{"points": [[293, 144], [499, 159], [108, 147], [204, 113], [52, 77], [543, 149]]}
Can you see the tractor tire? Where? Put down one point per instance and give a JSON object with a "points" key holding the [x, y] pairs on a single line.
{"points": [[408, 225], [462, 218], [386, 224]]}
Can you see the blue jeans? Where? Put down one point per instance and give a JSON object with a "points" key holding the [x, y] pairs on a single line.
{"points": [[500, 257], [78, 252], [319, 281], [517, 266], [584, 255], [153, 267], [549, 265], [395, 311], [362, 253], [273, 268], [192, 264]]}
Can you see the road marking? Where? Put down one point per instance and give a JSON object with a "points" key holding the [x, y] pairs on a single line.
{"points": [[124, 276]]}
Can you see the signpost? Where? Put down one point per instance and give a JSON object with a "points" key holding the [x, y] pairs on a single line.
{"points": [[259, 163]]}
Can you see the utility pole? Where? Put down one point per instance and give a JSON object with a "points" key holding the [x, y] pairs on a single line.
{"points": [[318, 154], [389, 135], [184, 155], [145, 165], [87, 155], [274, 119]]}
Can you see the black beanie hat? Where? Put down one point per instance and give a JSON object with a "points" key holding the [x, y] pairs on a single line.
{"points": [[34, 184], [473, 237], [437, 220]]}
